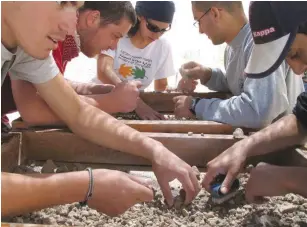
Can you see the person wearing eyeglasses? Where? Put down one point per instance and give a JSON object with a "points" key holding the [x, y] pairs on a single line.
{"points": [[255, 103], [142, 55], [280, 33]]}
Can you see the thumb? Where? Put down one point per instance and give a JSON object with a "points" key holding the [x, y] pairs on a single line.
{"points": [[137, 83], [227, 183], [167, 193], [175, 99], [141, 192]]}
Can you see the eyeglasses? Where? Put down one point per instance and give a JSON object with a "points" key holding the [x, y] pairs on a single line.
{"points": [[197, 22], [154, 28]]}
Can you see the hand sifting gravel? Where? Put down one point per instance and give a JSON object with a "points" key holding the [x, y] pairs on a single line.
{"points": [[289, 210]]}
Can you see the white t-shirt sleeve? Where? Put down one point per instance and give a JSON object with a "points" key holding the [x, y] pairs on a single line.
{"points": [[110, 53], [166, 66], [33, 70]]}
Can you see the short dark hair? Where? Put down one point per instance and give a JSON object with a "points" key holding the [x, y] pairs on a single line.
{"points": [[302, 28], [229, 6], [111, 12]]}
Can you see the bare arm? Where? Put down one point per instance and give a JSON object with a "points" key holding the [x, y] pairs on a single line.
{"points": [[34, 110], [161, 85], [70, 187], [113, 191], [284, 133], [91, 123], [90, 88], [105, 70], [100, 128]]}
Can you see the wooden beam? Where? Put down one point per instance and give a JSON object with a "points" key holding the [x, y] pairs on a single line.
{"points": [[10, 156], [61, 146], [176, 126], [166, 126], [163, 101], [68, 147]]}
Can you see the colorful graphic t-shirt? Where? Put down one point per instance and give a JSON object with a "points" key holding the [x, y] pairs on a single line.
{"points": [[153, 62]]}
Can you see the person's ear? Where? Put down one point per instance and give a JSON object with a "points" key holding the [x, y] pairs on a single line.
{"points": [[141, 18], [93, 19], [216, 13]]}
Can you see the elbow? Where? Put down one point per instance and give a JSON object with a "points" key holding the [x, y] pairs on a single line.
{"points": [[36, 120]]}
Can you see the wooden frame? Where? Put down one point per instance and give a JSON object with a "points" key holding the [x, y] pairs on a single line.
{"points": [[63, 146]]}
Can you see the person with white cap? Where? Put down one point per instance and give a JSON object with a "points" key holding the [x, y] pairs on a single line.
{"points": [[280, 32]]}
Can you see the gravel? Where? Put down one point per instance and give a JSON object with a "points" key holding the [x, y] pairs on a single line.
{"points": [[134, 116], [289, 210]]}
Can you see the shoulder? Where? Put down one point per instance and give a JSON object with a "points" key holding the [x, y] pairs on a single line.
{"points": [[248, 43], [163, 42], [162, 46]]}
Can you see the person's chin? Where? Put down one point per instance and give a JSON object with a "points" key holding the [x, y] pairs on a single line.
{"points": [[88, 53], [299, 72], [41, 55]]}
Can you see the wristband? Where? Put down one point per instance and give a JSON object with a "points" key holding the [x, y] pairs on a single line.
{"points": [[90, 187]]}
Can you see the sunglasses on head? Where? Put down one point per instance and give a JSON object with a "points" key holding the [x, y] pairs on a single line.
{"points": [[154, 28]]}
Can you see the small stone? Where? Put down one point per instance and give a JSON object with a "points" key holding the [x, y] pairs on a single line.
{"points": [[285, 208], [49, 167], [61, 220], [202, 134], [185, 213], [249, 168], [72, 214], [77, 223], [238, 134], [210, 215], [79, 166], [49, 221], [149, 222], [119, 118], [85, 213], [247, 207], [182, 194], [62, 169], [19, 220], [190, 133]]}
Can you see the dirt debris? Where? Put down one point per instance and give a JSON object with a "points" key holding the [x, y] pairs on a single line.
{"points": [[289, 210]]}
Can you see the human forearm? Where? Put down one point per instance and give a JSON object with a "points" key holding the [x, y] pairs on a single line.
{"points": [[109, 77], [105, 130], [38, 191], [90, 88], [105, 71], [284, 133], [105, 102], [217, 81]]}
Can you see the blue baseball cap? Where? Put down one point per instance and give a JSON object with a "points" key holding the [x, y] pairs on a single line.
{"points": [[274, 26]]}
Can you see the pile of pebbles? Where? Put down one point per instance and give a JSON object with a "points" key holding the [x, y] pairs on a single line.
{"points": [[289, 210]]}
